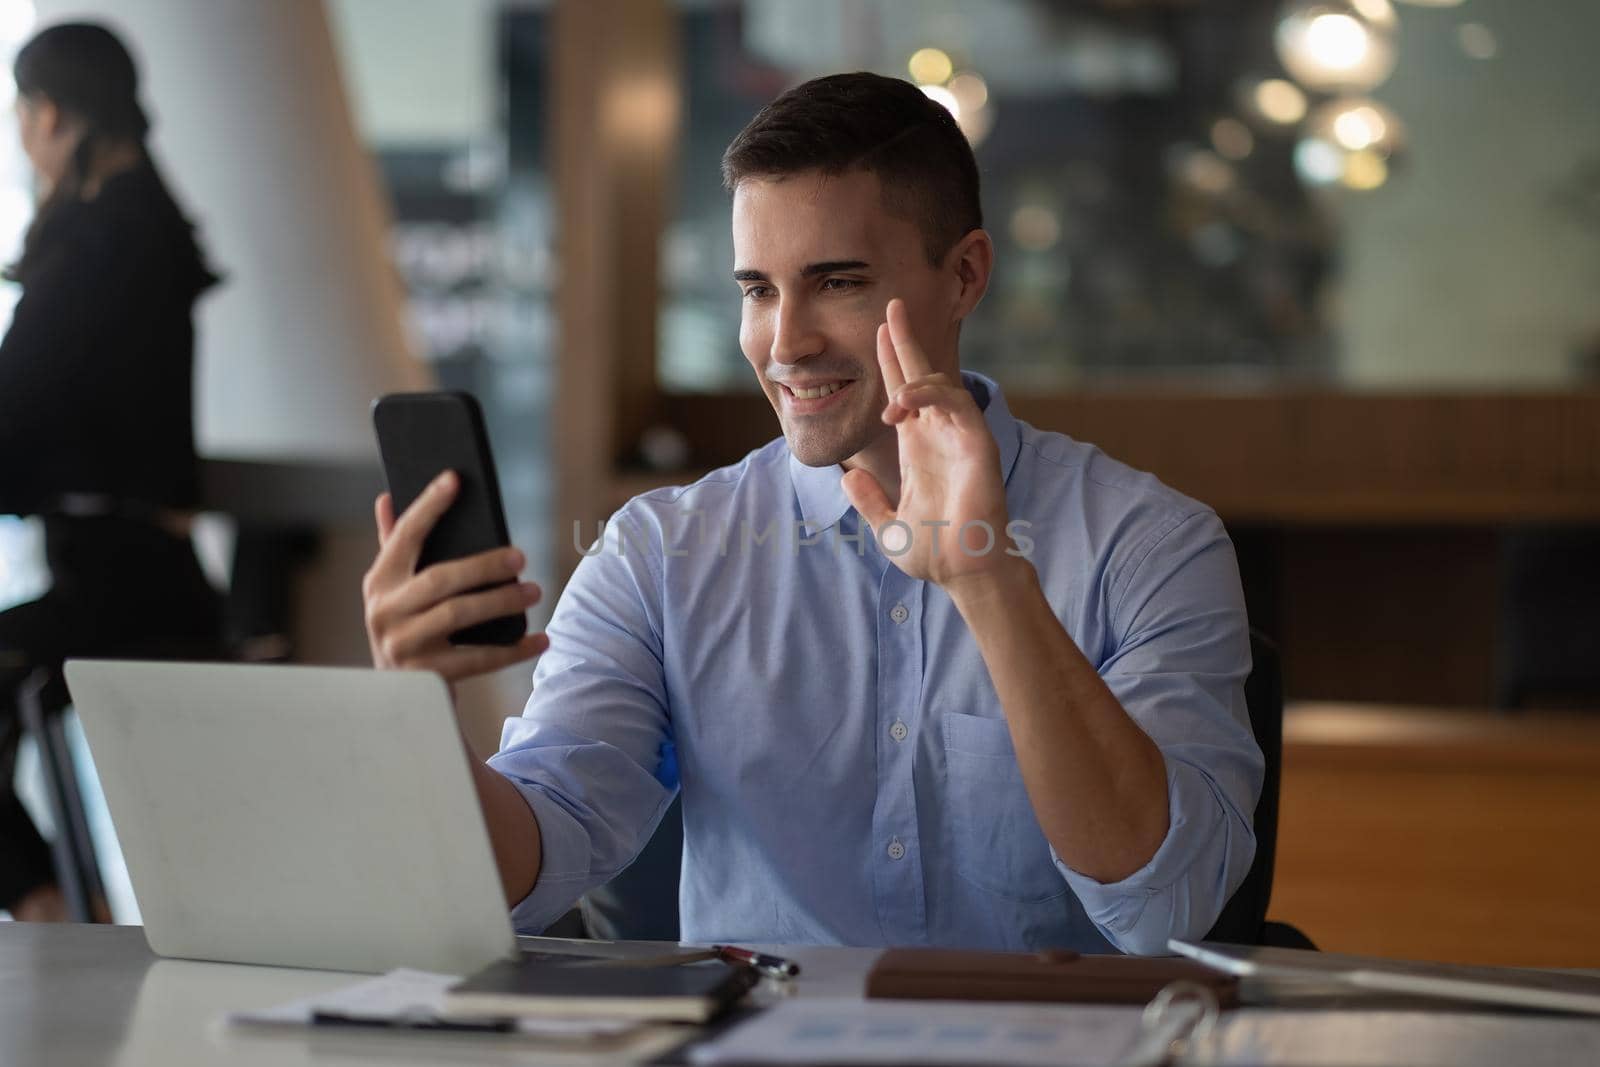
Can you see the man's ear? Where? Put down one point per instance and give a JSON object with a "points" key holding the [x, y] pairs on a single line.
{"points": [[970, 263]]}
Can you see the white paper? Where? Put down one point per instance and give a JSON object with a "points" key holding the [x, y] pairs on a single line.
{"points": [[827, 1031]]}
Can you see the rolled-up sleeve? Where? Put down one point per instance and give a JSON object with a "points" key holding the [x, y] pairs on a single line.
{"points": [[1181, 658], [587, 751]]}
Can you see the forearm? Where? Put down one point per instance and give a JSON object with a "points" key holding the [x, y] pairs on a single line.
{"points": [[1097, 782], [513, 830]]}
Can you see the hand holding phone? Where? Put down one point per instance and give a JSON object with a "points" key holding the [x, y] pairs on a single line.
{"points": [[442, 593]]}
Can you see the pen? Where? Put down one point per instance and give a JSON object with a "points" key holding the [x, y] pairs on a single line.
{"points": [[415, 1022], [772, 966]]}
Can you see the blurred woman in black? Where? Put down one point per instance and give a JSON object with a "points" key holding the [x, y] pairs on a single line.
{"points": [[96, 373]]}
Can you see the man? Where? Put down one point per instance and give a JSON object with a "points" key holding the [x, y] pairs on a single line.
{"points": [[990, 694]]}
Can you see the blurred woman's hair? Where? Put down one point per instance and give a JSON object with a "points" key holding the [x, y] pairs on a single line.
{"points": [[88, 74]]}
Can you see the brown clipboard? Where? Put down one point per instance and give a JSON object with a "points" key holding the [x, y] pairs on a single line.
{"points": [[946, 974]]}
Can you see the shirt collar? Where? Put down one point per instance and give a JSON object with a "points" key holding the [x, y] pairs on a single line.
{"points": [[821, 498]]}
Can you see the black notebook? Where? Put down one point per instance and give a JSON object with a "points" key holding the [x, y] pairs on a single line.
{"points": [[693, 993]]}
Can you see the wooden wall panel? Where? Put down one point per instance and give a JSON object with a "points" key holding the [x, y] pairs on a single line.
{"points": [[1296, 456], [614, 127], [1449, 835]]}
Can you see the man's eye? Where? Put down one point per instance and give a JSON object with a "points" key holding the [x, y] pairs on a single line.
{"points": [[842, 283], [756, 292]]}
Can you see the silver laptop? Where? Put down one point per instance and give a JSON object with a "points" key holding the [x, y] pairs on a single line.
{"points": [[1515, 987], [296, 816]]}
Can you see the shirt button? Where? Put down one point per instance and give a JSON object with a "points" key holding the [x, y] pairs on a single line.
{"points": [[896, 850], [899, 613], [899, 731]]}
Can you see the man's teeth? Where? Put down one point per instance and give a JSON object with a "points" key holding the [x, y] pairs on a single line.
{"points": [[819, 391]]}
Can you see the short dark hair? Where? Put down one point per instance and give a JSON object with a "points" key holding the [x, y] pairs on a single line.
{"points": [[886, 126]]}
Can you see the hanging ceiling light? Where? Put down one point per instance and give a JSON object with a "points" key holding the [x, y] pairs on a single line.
{"points": [[1337, 45]]}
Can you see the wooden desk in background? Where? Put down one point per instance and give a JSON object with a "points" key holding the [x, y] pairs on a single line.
{"points": [[1456, 835]]}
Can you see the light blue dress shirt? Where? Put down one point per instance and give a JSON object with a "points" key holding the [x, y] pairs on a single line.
{"points": [[847, 773]]}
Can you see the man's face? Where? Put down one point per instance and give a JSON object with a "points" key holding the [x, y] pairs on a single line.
{"points": [[817, 260]]}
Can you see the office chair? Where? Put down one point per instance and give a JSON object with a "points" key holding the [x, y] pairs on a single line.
{"points": [[1547, 648], [1244, 918], [42, 703], [254, 620]]}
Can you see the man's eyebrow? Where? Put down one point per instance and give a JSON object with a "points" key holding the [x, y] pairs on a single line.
{"points": [[810, 270], [829, 266]]}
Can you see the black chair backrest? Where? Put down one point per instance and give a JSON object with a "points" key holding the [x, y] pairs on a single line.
{"points": [[1244, 917]]}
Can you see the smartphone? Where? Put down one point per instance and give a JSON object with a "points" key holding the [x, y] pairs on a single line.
{"points": [[420, 435]]}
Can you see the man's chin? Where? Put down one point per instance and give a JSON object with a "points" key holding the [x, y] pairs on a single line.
{"points": [[816, 449]]}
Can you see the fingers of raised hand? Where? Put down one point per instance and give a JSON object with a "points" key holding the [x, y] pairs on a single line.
{"points": [[888, 362], [913, 361], [866, 493], [936, 393]]}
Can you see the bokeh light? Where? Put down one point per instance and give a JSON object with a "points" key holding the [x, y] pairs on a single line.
{"points": [[1232, 139], [1273, 102], [930, 66], [970, 91], [1358, 124], [1364, 170], [1035, 227], [944, 98], [1477, 40], [1318, 162], [1337, 45]]}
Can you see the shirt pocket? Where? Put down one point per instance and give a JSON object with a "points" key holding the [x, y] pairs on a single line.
{"points": [[994, 841]]}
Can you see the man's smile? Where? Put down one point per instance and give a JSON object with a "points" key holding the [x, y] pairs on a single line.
{"points": [[807, 398]]}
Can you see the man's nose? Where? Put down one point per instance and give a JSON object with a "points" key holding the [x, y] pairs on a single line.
{"points": [[795, 335]]}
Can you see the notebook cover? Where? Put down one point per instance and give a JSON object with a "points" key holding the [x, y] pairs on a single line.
{"points": [[533, 987], [942, 974]]}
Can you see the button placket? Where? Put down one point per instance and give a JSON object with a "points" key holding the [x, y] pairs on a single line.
{"points": [[899, 888]]}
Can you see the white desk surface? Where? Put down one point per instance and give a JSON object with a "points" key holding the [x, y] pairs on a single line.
{"points": [[74, 995]]}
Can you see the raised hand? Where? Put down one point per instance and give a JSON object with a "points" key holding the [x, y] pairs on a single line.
{"points": [[950, 522], [410, 615]]}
